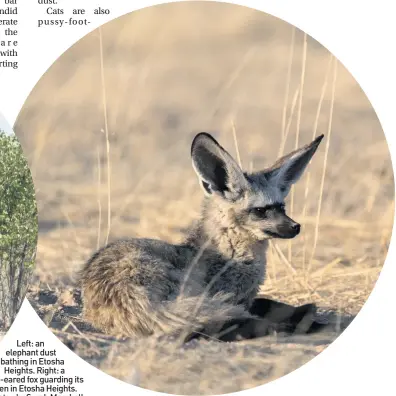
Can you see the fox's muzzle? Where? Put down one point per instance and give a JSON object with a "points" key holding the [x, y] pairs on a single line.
{"points": [[283, 226], [288, 228]]}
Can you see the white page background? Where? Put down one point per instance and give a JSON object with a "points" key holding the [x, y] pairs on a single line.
{"points": [[361, 34], [4, 125]]}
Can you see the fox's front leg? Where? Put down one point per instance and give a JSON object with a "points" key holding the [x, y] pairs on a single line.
{"points": [[278, 312], [271, 317]]}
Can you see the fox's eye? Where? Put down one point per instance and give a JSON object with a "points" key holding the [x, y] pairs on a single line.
{"points": [[261, 212]]}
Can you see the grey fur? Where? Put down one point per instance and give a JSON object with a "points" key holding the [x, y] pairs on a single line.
{"points": [[142, 286]]}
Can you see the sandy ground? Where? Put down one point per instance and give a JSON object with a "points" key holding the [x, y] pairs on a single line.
{"points": [[168, 73]]}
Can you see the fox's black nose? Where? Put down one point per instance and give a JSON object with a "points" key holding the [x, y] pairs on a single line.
{"points": [[296, 227]]}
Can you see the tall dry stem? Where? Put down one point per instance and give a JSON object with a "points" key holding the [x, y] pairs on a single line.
{"points": [[236, 142], [314, 133], [302, 79], [103, 83], [316, 234], [284, 138], [288, 78], [99, 182]]}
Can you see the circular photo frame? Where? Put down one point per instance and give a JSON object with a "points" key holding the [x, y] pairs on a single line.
{"points": [[215, 197]]}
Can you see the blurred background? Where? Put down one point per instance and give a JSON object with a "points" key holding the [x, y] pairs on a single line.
{"points": [[108, 128]]}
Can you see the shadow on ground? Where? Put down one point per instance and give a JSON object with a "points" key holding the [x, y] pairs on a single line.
{"points": [[256, 361]]}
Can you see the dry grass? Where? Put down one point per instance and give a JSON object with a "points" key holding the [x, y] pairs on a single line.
{"points": [[118, 130]]}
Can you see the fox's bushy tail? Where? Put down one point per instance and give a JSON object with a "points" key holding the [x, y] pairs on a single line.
{"points": [[126, 310]]}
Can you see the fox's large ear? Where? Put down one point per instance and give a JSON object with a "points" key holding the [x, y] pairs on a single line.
{"points": [[216, 169], [287, 170]]}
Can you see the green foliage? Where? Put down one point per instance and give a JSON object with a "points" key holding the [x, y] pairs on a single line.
{"points": [[18, 226], [18, 212]]}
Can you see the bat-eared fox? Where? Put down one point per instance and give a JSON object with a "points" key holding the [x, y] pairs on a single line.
{"points": [[208, 284]]}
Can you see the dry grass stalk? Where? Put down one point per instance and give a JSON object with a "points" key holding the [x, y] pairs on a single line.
{"points": [[302, 79], [284, 138], [104, 98], [99, 201], [314, 133], [288, 78], [328, 138], [236, 143]]}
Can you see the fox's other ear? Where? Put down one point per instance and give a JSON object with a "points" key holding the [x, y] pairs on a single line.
{"points": [[216, 169], [287, 170]]}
